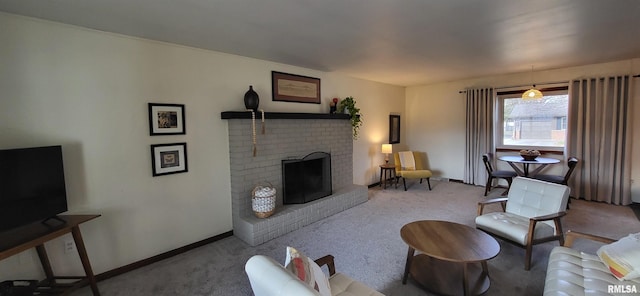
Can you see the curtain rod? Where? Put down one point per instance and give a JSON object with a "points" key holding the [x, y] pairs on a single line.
{"points": [[524, 85], [464, 91]]}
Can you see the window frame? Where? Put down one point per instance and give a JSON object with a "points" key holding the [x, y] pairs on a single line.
{"points": [[557, 89]]}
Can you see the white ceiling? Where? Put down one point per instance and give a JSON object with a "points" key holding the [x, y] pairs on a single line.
{"points": [[401, 42]]}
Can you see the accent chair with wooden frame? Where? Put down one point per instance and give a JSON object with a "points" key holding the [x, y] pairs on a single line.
{"points": [[531, 214]]}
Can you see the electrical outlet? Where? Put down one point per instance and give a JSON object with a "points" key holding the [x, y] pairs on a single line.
{"points": [[69, 246]]}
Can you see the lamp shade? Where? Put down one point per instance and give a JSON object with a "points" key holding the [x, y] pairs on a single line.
{"points": [[532, 94], [386, 148]]}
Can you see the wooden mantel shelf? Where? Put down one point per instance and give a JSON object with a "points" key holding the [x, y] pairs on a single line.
{"points": [[281, 115]]}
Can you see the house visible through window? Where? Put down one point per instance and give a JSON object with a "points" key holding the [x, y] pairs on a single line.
{"points": [[532, 124]]}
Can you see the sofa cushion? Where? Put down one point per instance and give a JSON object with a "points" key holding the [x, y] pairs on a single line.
{"points": [[307, 271], [571, 272], [511, 226], [622, 257]]}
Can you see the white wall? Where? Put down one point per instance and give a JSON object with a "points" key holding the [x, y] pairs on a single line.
{"points": [[436, 114], [88, 91]]}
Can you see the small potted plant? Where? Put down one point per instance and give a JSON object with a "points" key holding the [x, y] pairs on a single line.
{"points": [[348, 106]]}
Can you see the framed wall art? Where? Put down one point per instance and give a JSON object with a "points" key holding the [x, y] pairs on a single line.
{"points": [[295, 88], [166, 119], [394, 129], [169, 159]]}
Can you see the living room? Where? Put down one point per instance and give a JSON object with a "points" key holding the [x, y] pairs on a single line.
{"points": [[89, 90]]}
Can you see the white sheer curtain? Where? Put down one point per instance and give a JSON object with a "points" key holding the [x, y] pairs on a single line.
{"points": [[479, 133], [600, 137]]}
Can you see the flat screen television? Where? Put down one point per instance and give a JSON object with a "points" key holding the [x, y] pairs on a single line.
{"points": [[32, 186]]}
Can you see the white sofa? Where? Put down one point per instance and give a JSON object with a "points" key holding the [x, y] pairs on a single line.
{"points": [[571, 272], [269, 278]]}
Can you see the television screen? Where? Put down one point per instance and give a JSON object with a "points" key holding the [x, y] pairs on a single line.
{"points": [[32, 185]]}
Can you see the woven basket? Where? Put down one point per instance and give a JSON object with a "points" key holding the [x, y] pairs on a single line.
{"points": [[529, 157], [263, 200]]}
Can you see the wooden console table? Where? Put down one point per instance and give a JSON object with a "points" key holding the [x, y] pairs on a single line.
{"points": [[36, 234]]}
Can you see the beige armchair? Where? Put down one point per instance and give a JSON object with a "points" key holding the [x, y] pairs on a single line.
{"points": [[411, 165], [531, 214]]}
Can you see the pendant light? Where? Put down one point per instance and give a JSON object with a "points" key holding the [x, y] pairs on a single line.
{"points": [[532, 93]]}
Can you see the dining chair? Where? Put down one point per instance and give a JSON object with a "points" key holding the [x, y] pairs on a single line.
{"points": [[560, 179], [496, 174]]}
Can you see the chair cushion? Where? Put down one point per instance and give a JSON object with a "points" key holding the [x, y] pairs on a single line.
{"points": [[512, 227], [571, 272], [504, 174], [550, 178], [418, 174], [342, 285], [622, 257]]}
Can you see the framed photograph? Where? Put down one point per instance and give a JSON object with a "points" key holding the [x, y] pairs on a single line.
{"points": [[295, 88], [394, 129], [169, 159], [166, 119]]}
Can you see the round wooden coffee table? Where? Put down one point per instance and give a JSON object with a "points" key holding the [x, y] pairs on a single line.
{"points": [[453, 257]]}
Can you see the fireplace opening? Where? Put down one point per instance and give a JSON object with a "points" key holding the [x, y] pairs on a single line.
{"points": [[306, 179]]}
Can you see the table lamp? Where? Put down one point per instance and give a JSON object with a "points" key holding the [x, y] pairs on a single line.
{"points": [[386, 149]]}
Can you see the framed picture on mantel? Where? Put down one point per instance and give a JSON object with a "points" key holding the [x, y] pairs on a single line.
{"points": [[295, 88]]}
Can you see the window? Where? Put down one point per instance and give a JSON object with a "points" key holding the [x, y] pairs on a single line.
{"points": [[534, 124]]}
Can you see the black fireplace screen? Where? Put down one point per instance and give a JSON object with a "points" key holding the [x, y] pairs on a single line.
{"points": [[306, 179]]}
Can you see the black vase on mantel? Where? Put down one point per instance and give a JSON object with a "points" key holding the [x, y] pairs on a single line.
{"points": [[251, 99]]}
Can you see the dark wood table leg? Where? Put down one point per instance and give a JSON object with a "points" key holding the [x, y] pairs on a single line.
{"points": [[407, 266], [84, 258], [385, 178], [465, 278], [485, 268], [46, 265], [393, 176]]}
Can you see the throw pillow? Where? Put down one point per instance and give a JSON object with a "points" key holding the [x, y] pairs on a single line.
{"points": [[307, 271], [622, 257]]}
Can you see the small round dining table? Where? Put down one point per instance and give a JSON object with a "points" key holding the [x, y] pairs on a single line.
{"points": [[541, 162]]}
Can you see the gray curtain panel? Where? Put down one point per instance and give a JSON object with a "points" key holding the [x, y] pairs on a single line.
{"points": [[600, 137], [479, 133]]}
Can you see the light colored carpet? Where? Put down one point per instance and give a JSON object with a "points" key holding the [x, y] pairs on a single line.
{"points": [[366, 243]]}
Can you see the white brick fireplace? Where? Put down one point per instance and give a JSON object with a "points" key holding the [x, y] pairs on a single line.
{"points": [[287, 135]]}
